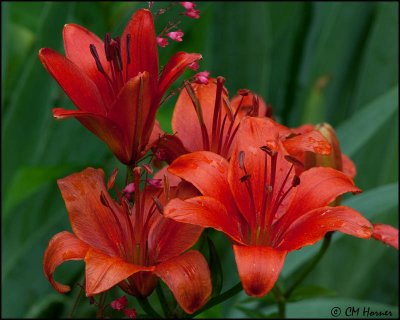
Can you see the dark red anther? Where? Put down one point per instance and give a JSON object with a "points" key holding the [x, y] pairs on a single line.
{"points": [[158, 204], [243, 92], [95, 55], [245, 178], [294, 161], [295, 181], [269, 151], [241, 160], [256, 106], [107, 41], [103, 200], [128, 48]]}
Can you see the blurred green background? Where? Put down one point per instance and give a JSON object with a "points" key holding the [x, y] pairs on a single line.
{"points": [[313, 62]]}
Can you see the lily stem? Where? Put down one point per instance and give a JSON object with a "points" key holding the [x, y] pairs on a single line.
{"points": [[129, 174], [305, 272], [144, 303], [280, 300], [217, 300], [163, 301]]}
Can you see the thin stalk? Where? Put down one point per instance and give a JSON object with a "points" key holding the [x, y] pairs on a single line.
{"points": [[304, 273], [163, 300], [221, 298], [78, 298], [280, 300], [144, 303]]}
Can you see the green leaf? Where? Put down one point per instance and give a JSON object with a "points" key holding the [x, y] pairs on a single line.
{"points": [[310, 292], [357, 130], [215, 268], [49, 306], [251, 313]]}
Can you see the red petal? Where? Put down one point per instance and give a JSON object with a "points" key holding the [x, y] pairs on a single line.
{"points": [[106, 129], [76, 84], [168, 238], [104, 272], [188, 277], [246, 104], [91, 221], [205, 212], [174, 68], [64, 246], [77, 40], [207, 171], [130, 111], [143, 46], [311, 141], [172, 179], [319, 186], [386, 234], [259, 268], [349, 167], [312, 226]]}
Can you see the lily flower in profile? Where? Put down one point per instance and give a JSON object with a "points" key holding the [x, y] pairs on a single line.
{"points": [[125, 245], [261, 203], [115, 84]]}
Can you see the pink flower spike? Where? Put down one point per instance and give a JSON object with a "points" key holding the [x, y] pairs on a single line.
{"points": [[176, 35], [195, 14], [162, 42], [188, 5], [119, 304], [194, 65], [155, 183], [130, 313], [202, 77]]}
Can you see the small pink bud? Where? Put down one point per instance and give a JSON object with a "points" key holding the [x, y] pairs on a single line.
{"points": [[130, 313], [195, 14], [162, 42], [176, 35], [202, 77], [188, 5], [155, 183], [130, 188], [119, 304], [194, 65]]}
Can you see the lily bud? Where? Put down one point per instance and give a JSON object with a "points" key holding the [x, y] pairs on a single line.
{"points": [[334, 159]]}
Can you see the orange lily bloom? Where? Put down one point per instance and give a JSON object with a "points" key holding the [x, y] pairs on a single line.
{"points": [[259, 201], [115, 83], [129, 247]]}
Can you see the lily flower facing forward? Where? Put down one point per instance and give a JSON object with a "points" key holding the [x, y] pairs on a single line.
{"points": [[127, 246], [259, 201], [205, 119], [115, 83]]}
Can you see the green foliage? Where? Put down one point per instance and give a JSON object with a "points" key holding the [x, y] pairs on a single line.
{"points": [[335, 62]]}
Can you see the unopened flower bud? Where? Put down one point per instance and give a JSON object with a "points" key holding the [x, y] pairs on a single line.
{"points": [[194, 14], [202, 77], [188, 5], [162, 42], [176, 35]]}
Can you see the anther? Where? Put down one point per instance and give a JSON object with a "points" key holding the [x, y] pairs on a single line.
{"points": [[95, 55], [241, 160], [245, 178], [294, 161], [243, 92], [295, 181], [104, 200], [158, 204], [269, 151]]}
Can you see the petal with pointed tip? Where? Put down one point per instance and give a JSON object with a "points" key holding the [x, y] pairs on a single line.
{"points": [[386, 234], [205, 212], [103, 127], [103, 271], [76, 84], [64, 246], [188, 277], [312, 141], [259, 268], [349, 168], [143, 46], [312, 226]]}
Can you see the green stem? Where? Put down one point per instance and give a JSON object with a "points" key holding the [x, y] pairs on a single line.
{"points": [[144, 303], [129, 175], [280, 300], [163, 301], [217, 300], [304, 273]]}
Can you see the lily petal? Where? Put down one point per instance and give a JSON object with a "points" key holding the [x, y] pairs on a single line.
{"points": [[188, 277], [259, 268], [349, 167], [205, 212], [169, 238], [246, 104], [64, 246], [103, 127], [90, 219], [312, 226], [207, 171], [143, 46], [174, 68], [77, 41], [76, 84], [386, 234], [312, 141], [103, 271]]}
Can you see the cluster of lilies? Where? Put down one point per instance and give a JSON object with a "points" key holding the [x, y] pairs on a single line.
{"points": [[228, 166]]}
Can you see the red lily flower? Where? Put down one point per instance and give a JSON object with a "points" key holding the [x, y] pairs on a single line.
{"points": [[258, 200], [115, 83], [129, 247]]}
